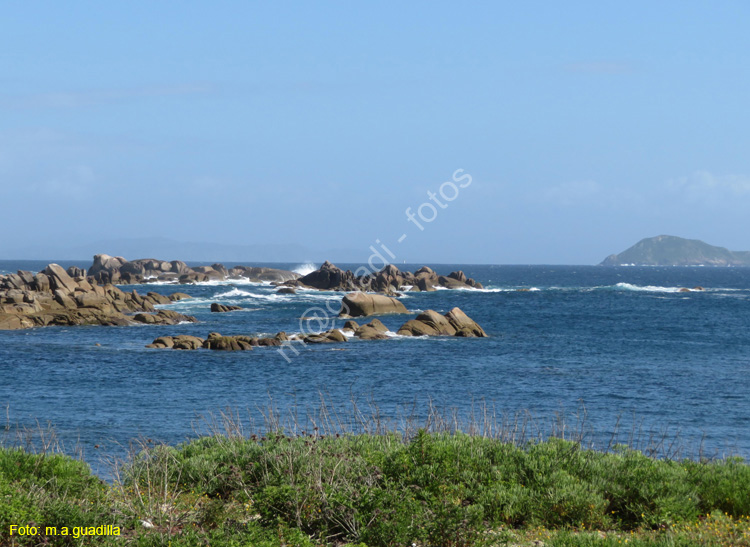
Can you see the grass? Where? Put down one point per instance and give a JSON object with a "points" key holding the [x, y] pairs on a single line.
{"points": [[370, 484]]}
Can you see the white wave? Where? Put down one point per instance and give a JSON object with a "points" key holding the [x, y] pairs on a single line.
{"points": [[239, 294], [232, 281], [646, 288], [304, 269], [314, 297], [494, 289], [315, 294], [466, 289], [212, 283], [234, 293], [394, 336], [186, 303]]}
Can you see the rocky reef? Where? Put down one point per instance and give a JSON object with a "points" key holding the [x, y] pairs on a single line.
{"points": [[429, 323], [216, 341], [117, 270], [109, 269], [55, 296], [77, 296], [389, 280]]}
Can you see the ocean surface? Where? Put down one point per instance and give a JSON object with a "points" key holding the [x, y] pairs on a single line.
{"points": [[622, 342]]}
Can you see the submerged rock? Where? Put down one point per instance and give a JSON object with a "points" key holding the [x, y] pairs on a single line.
{"points": [[430, 323], [221, 308], [216, 341], [182, 341], [333, 335]]}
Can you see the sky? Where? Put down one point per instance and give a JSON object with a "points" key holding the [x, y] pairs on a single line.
{"points": [[582, 127]]}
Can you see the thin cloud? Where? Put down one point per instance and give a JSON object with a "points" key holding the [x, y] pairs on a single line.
{"points": [[599, 67], [707, 187], [205, 184], [572, 193], [74, 183], [83, 99]]}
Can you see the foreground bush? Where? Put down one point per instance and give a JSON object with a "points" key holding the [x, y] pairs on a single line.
{"points": [[380, 490]]}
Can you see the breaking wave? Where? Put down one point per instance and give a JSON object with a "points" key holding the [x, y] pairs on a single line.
{"points": [[304, 269], [646, 288]]}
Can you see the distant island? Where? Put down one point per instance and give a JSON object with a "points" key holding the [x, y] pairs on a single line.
{"points": [[676, 251]]}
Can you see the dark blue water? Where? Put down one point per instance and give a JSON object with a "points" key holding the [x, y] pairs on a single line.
{"points": [[621, 341]]}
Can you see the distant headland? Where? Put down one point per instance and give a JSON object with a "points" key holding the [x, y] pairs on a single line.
{"points": [[676, 251]]}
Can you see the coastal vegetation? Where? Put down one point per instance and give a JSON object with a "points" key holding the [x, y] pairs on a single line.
{"points": [[349, 480]]}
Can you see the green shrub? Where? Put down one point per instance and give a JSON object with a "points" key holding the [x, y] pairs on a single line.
{"points": [[377, 490]]}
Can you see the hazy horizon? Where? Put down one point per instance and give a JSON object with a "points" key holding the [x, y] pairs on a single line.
{"points": [[207, 252], [494, 134]]}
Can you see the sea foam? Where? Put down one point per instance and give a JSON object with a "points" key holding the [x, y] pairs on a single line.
{"points": [[646, 288], [304, 269]]}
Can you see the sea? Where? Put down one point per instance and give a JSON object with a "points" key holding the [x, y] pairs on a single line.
{"points": [[613, 352]]}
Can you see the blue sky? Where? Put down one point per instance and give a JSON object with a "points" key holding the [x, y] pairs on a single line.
{"points": [[585, 126]]}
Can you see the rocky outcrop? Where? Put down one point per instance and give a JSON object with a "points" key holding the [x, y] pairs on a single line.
{"points": [[330, 278], [182, 341], [429, 323], [359, 304], [453, 323], [108, 269], [333, 335], [374, 330], [389, 280], [464, 325], [350, 326], [53, 297], [59, 279], [221, 308], [216, 341], [163, 317]]}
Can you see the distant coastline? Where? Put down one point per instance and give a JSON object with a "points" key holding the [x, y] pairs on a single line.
{"points": [[665, 250]]}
